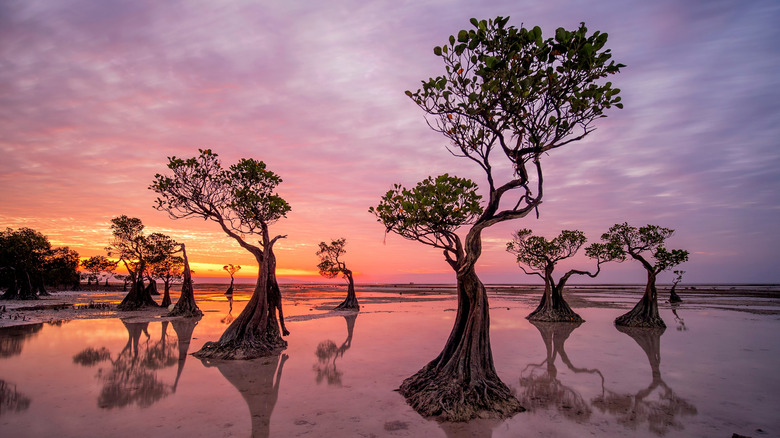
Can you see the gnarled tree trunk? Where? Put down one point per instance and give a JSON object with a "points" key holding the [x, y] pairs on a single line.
{"points": [[186, 305], [553, 308], [21, 288], [351, 302], [255, 332], [138, 297], [166, 301], [645, 313], [462, 383]]}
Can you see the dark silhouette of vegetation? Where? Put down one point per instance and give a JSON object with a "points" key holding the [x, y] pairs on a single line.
{"points": [[645, 245], [186, 305], [241, 200], [541, 256], [673, 297], [97, 265], [231, 270], [331, 266], [504, 92], [142, 255], [327, 352], [28, 263]]}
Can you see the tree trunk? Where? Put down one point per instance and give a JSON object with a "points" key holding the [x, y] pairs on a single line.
{"points": [[138, 297], [166, 301], [21, 288], [351, 302], [462, 383], [553, 308], [255, 332], [673, 297], [645, 313], [186, 305]]}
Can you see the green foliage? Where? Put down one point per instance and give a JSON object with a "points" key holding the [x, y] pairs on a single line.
{"points": [[540, 253], [241, 197], [434, 208], [330, 265], [643, 242], [509, 86]]}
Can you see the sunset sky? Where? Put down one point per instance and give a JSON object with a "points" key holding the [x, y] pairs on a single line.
{"points": [[95, 95]]}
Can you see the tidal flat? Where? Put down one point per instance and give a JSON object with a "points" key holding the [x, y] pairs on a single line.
{"points": [[77, 371]]}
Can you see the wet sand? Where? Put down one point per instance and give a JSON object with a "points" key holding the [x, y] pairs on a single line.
{"points": [[712, 372]]}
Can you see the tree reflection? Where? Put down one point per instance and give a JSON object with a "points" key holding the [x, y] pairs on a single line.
{"points": [[12, 338], [327, 352], [132, 377], [229, 317], [11, 400], [257, 380], [543, 390], [632, 410]]}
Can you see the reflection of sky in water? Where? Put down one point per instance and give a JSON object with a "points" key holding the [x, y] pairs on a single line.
{"points": [[715, 373]]}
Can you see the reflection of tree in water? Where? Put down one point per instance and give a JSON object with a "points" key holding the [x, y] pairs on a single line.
{"points": [[544, 390], [132, 376], [680, 322], [632, 410], [327, 352], [12, 338], [257, 380], [229, 317], [11, 400]]}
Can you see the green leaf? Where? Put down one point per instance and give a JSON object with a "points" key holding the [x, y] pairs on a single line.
{"points": [[463, 36], [437, 51]]}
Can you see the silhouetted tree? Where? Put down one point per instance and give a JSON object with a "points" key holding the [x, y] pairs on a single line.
{"points": [[231, 269], [504, 91], [541, 256], [163, 264], [645, 245], [673, 297], [331, 266], [241, 200], [60, 268], [97, 265], [22, 256], [131, 247], [186, 305]]}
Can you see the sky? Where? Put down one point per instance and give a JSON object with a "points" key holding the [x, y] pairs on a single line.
{"points": [[96, 95]]}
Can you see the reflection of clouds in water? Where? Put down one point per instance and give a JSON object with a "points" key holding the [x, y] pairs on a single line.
{"points": [[131, 377], [327, 352], [633, 410]]}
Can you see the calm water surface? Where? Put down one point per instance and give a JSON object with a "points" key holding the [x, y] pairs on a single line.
{"points": [[712, 372]]}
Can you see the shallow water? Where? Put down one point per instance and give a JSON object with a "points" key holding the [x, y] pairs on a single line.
{"points": [[712, 372]]}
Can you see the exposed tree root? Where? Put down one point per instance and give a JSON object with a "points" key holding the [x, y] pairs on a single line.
{"points": [[640, 317], [349, 303], [239, 349], [450, 398], [562, 313]]}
